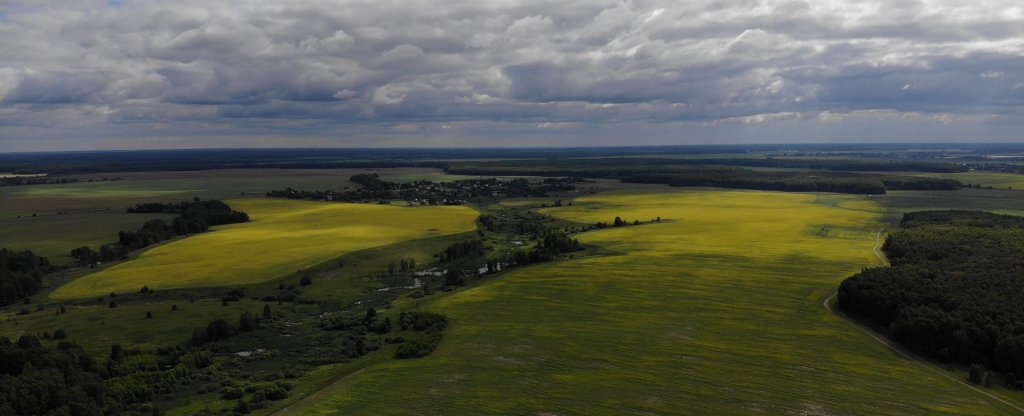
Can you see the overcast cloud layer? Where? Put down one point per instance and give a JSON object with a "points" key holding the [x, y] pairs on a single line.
{"points": [[169, 74]]}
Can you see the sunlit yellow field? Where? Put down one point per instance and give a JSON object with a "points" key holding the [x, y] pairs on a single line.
{"points": [[715, 310], [282, 237]]}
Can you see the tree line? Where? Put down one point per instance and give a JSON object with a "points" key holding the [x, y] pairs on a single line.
{"points": [[646, 171], [953, 290], [193, 217]]}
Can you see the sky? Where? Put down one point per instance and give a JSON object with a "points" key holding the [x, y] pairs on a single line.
{"points": [[79, 75]]}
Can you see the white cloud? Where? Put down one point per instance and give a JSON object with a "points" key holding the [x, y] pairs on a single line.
{"points": [[200, 67]]}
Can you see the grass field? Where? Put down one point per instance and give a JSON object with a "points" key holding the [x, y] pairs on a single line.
{"points": [[994, 200], [53, 237], [282, 237], [93, 212], [96, 326], [994, 179], [135, 187], [715, 310]]}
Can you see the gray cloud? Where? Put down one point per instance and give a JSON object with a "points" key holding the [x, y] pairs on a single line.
{"points": [[85, 74]]}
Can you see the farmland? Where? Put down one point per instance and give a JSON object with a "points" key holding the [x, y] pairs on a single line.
{"points": [[53, 219], [996, 180], [679, 300], [282, 237], [700, 313]]}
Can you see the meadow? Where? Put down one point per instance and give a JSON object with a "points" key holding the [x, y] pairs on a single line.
{"points": [[996, 180], [283, 236], [994, 200], [71, 215], [54, 236], [716, 309]]}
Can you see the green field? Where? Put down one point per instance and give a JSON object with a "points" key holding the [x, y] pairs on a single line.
{"points": [[54, 236], [717, 309], [282, 237], [136, 187], [1000, 201], [994, 179], [91, 213]]}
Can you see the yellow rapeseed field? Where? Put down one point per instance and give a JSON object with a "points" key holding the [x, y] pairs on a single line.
{"points": [[715, 310], [282, 237]]}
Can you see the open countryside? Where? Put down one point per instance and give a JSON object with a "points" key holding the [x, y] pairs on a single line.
{"points": [[692, 315], [535, 208], [283, 236]]}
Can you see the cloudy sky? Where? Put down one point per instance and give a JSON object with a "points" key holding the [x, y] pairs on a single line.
{"points": [[173, 74]]}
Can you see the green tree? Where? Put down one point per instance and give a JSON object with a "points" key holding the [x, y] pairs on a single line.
{"points": [[247, 322]]}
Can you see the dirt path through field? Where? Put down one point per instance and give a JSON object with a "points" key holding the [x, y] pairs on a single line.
{"points": [[905, 354]]}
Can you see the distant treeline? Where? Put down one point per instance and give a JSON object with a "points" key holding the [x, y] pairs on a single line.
{"points": [[834, 164], [21, 275], [193, 217], [327, 158], [641, 171], [47, 180], [34, 180], [371, 187], [953, 291], [204, 159]]}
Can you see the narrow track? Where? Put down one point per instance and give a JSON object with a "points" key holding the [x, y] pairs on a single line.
{"points": [[899, 350]]}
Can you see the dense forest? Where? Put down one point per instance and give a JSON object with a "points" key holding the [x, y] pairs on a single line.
{"points": [[21, 275], [953, 290], [40, 380], [193, 217]]}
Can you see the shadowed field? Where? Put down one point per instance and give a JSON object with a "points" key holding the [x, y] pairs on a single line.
{"points": [[717, 309], [284, 236]]}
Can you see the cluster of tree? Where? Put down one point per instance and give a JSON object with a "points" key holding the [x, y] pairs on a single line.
{"points": [[953, 289], [461, 250], [193, 217], [429, 327], [136, 378], [21, 275], [220, 329], [217, 330], [548, 248], [65, 380], [519, 222], [353, 342], [47, 180], [558, 243], [40, 380], [961, 218], [34, 180], [372, 182], [261, 398], [402, 266]]}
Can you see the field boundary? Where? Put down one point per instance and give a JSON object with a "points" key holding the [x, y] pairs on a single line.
{"points": [[900, 350]]}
